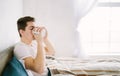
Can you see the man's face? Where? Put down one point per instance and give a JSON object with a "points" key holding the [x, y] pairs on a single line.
{"points": [[27, 33]]}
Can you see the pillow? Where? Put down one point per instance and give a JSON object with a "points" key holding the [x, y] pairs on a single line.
{"points": [[49, 72], [14, 68]]}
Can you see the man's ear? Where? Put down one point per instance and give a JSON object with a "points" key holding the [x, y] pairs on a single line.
{"points": [[21, 32]]}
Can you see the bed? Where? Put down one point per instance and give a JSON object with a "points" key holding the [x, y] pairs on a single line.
{"points": [[92, 66]]}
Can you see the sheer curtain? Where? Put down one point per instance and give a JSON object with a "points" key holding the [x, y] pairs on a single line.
{"points": [[82, 7]]}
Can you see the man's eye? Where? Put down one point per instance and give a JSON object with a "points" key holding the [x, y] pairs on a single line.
{"points": [[32, 28]]}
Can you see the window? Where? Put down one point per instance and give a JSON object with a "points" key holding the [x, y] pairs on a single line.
{"points": [[100, 29]]}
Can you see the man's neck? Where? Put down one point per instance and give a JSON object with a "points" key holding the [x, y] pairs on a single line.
{"points": [[26, 41]]}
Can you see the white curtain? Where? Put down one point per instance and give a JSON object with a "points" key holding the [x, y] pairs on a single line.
{"points": [[82, 7]]}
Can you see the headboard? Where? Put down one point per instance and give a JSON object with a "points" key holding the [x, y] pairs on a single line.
{"points": [[5, 56]]}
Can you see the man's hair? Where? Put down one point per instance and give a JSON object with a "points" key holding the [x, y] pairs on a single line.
{"points": [[22, 23]]}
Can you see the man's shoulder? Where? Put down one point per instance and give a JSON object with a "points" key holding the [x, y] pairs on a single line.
{"points": [[19, 45]]}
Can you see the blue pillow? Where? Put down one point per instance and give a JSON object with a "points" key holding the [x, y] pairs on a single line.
{"points": [[14, 68], [49, 72]]}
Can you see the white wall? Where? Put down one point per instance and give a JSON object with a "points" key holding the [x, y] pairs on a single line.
{"points": [[58, 17], [10, 11]]}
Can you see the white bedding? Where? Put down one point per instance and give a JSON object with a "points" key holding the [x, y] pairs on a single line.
{"points": [[107, 64]]}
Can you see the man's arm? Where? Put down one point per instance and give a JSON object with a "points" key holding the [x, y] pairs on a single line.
{"points": [[49, 48], [37, 64]]}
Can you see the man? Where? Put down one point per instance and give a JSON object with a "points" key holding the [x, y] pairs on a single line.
{"points": [[30, 50]]}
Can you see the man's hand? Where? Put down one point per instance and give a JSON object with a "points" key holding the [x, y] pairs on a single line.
{"points": [[38, 34], [46, 33]]}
